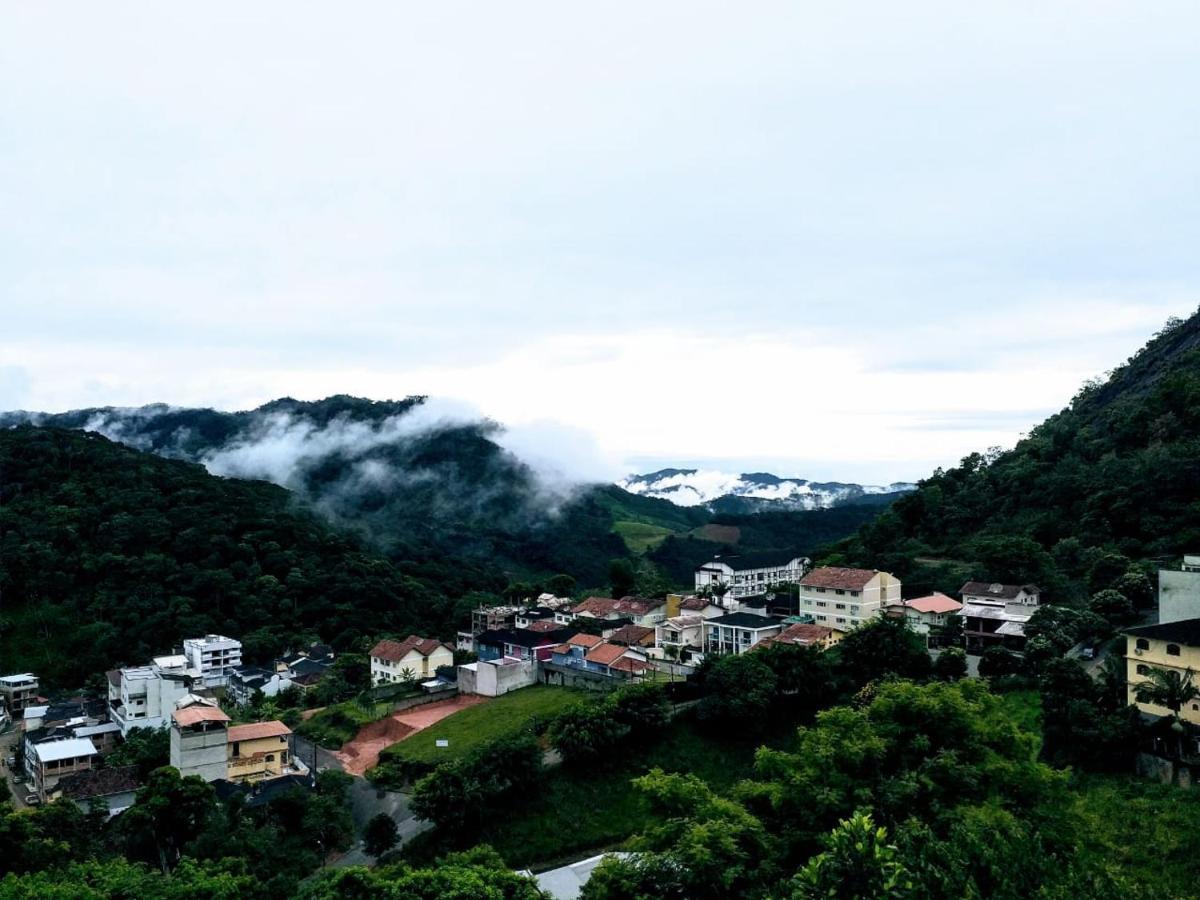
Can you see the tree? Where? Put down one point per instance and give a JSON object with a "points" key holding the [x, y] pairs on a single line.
{"points": [[587, 733], [739, 691], [951, 664], [1135, 585], [169, 812], [858, 864], [381, 835], [643, 708], [622, 577], [998, 662], [561, 585], [1168, 688], [1113, 606], [883, 647]]}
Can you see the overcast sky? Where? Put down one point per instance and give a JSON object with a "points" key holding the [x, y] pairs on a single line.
{"points": [[833, 240]]}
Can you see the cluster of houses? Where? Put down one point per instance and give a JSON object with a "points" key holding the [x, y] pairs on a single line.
{"points": [[63, 744]]}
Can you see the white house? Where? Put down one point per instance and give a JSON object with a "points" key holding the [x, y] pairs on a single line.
{"points": [[733, 578], [214, 656], [144, 696], [926, 613], [1009, 594], [422, 657], [674, 637], [738, 632], [842, 598]]}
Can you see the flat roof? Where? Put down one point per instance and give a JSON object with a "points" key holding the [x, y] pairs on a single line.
{"points": [[69, 748], [21, 679]]}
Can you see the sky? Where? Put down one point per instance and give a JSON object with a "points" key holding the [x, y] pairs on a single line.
{"points": [[838, 241]]}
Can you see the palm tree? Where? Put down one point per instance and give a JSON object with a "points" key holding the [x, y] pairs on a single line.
{"points": [[1169, 688]]}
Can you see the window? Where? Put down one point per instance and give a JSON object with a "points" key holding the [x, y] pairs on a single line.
{"points": [[855, 593], [841, 620], [819, 590], [841, 606], [1172, 649], [840, 591], [1143, 644], [822, 603], [854, 609], [270, 757], [1143, 669]]}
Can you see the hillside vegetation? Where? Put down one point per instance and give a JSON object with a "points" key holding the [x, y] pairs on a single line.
{"points": [[1112, 479]]}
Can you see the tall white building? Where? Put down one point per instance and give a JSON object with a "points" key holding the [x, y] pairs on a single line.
{"points": [[733, 578], [145, 696], [214, 656], [843, 598]]}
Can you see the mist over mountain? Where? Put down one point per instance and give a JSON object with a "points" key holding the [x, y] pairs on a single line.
{"points": [[749, 492]]}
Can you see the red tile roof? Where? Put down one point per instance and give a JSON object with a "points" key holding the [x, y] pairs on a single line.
{"points": [[585, 640], [199, 713], [629, 664], [695, 603], [605, 654], [395, 651], [543, 625], [934, 603], [256, 730], [632, 634], [603, 607], [802, 634], [837, 577]]}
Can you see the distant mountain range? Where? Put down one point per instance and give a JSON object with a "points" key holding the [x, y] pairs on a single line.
{"points": [[722, 492]]}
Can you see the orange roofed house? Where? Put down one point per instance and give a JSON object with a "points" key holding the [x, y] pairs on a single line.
{"points": [[926, 615], [417, 655], [842, 598], [802, 634]]}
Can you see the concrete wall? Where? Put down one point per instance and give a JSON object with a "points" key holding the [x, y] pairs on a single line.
{"points": [[570, 676], [492, 680], [1178, 595], [200, 753]]}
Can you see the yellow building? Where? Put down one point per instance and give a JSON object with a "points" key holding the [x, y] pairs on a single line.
{"points": [[1174, 646], [257, 751]]}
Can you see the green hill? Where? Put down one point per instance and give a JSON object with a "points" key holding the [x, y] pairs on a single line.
{"points": [[1110, 481]]}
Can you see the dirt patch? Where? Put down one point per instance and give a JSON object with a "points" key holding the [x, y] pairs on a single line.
{"points": [[362, 753], [721, 534], [307, 714]]}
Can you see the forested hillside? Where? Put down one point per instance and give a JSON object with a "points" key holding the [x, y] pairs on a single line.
{"points": [[1112, 479], [109, 555]]}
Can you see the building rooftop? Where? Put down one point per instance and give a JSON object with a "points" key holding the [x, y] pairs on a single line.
{"points": [[68, 748], [746, 562], [1185, 631], [18, 680], [256, 730], [194, 715], [744, 620], [395, 651], [838, 577], [997, 591], [800, 634], [524, 637], [631, 634], [934, 603], [585, 640], [605, 654], [99, 783]]}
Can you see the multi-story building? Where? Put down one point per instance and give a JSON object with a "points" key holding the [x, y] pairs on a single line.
{"points": [[1173, 646], [738, 632], [214, 656], [200, 739], [994, 623], [1027, 595], [18, 692], [731, 579], [1179, 591], [48, 761], [678, 637], [414, 657], [842, 598], [145, 696], [259, 751]]}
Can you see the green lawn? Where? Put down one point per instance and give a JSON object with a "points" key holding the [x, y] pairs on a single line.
{"points": [[475, 725], [574, 812], [1150, 831], [641, 537]]}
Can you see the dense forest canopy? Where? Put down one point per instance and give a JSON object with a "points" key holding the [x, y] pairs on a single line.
{"points": [[1113, 479]]}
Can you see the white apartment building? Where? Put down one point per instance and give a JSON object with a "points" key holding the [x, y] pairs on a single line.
{"points": [[733, 578], [214, 656], [842, 599], [145, 696]]}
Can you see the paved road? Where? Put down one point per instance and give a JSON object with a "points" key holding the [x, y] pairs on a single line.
{"points": [[366, 802]]}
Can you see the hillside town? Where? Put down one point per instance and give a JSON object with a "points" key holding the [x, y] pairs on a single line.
{"points": [[206, 698]]}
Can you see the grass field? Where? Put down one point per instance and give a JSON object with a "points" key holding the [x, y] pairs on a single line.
{"points": [[641, 537], [1150, 831], [466, 730]]}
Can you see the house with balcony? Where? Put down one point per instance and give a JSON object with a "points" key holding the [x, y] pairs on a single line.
{"points": [[738, 632], [926, 615], [18, 692], [259, 751], [49, 761], [412, 658], [994, 623], [733, 579], [679, 637], [214, 656], [844, 598]]}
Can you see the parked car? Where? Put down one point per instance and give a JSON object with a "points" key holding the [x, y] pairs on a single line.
{"points": [[32, 800]]}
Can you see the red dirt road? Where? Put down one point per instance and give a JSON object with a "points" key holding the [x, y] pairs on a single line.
{"points": [[363, 751]]}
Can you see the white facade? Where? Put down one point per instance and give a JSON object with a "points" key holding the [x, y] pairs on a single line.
{"points": [[736, 579], [214, 656], [676, 635], [848, 603], [145, 696], [738, 632], [1179, 592]]}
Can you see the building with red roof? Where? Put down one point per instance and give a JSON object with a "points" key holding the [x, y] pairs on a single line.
{"points": [[843, 598], [412, 658]]}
